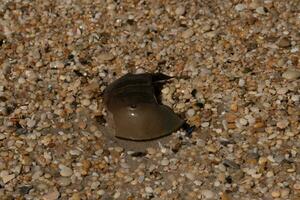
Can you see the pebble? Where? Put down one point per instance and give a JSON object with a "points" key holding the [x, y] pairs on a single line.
{"points": [[164, 162], [56, 65], [294, 98], [63, 181], [2, 136], [51, 195], [75, 196], [117, 195], [291, 74], [260, 10], [240, 7], [65, 171], [208, 194], [282, 91], [148, 190], [275, 193], [241, 82], [31, 123], [190, 112], [85, 102], [282, 124], [165, 90], [101, 192], [284, 193], [6, 177], [180, 11], [106, 57], [230, 117], [243, 121], [190, 176], [205, 124], [284, 42], [297, 186], [95, 185], [188, 33]]}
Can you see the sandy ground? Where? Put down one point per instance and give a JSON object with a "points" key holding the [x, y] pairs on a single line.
{"points": [[236, 68]]}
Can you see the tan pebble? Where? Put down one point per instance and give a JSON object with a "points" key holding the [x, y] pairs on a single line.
{"points": [[275, 194], [85, 102], [211, 148], [75, 196], [105, 57], [259, 125], [51, 195], [31, 123], [82, 125], [63, 181], [297, 186], [188, 33], [151, 151], [282, 124], [230, 117], [70, 99], [251, 161], [164, 162], [65, 171], [195, 120], [180, 10], [231, 126], [234, 107], [6, 177], [285, 193], [208, 194], [93, 128], [291, 74], [119, 174], [86, 164], [225, 196]]}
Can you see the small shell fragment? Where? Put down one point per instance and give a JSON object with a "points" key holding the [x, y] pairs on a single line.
{"points": [[133, 109]]}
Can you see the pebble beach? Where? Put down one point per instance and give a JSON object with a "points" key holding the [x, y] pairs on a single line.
{"points": [[236, 81]]}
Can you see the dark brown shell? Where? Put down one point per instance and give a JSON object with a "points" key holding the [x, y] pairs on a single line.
{"points": [[134, 111]]}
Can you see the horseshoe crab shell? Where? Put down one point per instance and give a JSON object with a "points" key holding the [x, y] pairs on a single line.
{"points": [[134, 111]]}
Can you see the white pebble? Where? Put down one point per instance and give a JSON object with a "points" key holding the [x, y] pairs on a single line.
{"points": [[140, 71], [166, 90], [243, 121], [240, 7], [148, 190], [208, 194], [180, 11], [94, 185], [57, 65], [31, 123], [295, 98], [260, 10], [117, 195], [190, 112], [241, 82], [205, 124], [164, 162], [2, 136], [100, 192]]}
